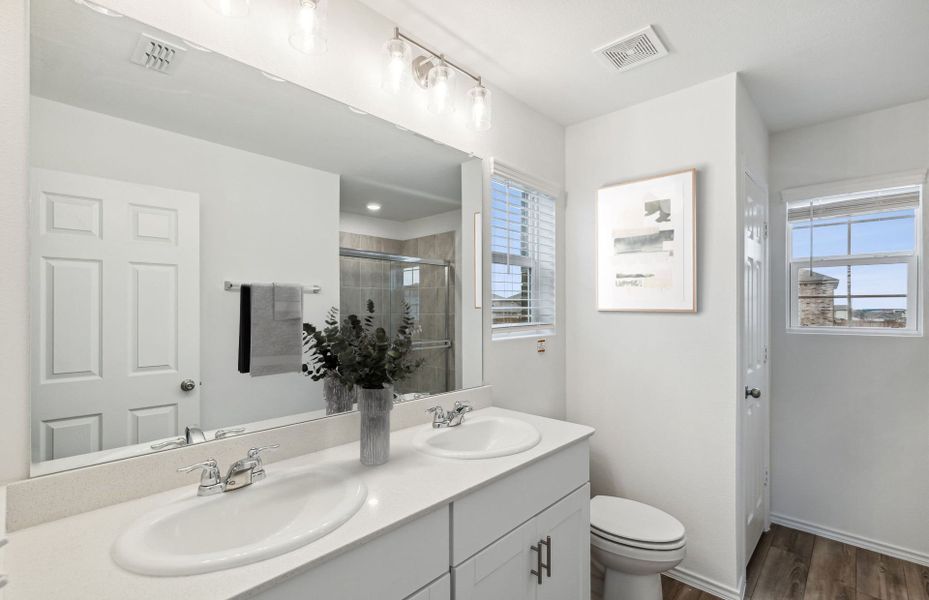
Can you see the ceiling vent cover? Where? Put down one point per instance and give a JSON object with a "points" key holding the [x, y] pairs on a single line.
{"points": [[634, 50], [156, 54]]}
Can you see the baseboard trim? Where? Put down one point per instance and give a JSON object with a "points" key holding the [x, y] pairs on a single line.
{"points": [[851, 539], [705, 584]]}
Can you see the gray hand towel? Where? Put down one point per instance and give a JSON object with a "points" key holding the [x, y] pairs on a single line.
{"points": [[288, 301], [276, 346]]}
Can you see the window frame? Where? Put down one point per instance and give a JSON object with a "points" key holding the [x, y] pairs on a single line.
{"points": [[915, 288], [535, 187]]}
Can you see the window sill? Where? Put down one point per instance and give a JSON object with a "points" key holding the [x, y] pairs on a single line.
{"points": [[860, 332], [499, 335]]}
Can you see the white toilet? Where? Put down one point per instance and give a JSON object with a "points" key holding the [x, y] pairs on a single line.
{"points": [[634, 543]]}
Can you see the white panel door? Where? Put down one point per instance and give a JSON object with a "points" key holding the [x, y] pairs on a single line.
{"points": [[565, 527], [500, 571], [754, 351], [116, 313]]}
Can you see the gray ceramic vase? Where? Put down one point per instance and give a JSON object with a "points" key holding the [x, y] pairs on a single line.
{"points": [[375, 406], [339, 398]]}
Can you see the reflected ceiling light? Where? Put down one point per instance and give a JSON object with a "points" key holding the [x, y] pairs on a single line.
{"points": [[396, 64], [97, 8], [437, 75], [309, 32], [229, 8], [441, 89], [481, 118], [373, 206]]}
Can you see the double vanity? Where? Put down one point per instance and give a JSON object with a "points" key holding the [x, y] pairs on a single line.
{"points": [[495, 507]]}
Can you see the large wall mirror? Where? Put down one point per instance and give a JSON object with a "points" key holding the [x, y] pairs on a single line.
{"points": [[164, 178]]}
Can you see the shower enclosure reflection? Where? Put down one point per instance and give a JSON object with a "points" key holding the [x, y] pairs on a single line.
{"points": [[418, 272]]}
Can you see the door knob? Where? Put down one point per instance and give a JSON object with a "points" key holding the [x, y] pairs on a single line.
{"points": [[188, 385], [753, 392]]}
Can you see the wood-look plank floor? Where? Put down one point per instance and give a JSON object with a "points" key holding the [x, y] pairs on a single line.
{"points": [[793, 565]]}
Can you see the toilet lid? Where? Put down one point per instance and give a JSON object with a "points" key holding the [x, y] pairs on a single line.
{"points": [[627, 519]]}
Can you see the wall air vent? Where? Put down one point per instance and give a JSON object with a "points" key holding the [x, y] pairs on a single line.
{"points": [[634, 50], [156, 54]]}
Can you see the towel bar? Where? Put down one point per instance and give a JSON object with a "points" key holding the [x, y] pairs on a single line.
{"points": [[231, 286]]}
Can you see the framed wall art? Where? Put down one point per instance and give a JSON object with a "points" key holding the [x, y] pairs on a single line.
{"points": [[646, 244]]}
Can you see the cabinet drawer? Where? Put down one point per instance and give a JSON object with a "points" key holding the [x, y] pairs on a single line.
{"points": [[481, 517], [389, 567]]}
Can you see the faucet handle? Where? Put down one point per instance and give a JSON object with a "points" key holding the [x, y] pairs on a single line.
{"points": [[222, 433], [255, 452], [208, 465], [437, 411], [463, 407], [210, 479], [178, 441]]}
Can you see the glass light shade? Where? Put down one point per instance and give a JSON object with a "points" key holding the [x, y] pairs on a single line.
{"points": [[481, 117], [229, 8], [396, 65], [309, 31], [441, 90]]}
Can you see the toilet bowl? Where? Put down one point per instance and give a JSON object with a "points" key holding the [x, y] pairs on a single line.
{"points": [[634, 543]]}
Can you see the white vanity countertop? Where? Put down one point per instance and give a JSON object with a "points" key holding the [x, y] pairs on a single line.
{"points": [[70, 558]]}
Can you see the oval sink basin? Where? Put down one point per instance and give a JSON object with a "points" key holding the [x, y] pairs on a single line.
{"points": [[196, 535], [478, 437]]}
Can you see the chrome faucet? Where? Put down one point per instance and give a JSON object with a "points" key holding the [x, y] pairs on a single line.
{"points": [[242, 473], [452, 418], [194, 435]]}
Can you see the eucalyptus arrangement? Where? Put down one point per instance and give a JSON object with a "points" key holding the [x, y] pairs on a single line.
{"points": [[322, 363], [363, 358]]}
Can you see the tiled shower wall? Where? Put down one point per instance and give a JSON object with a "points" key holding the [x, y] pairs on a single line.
{"points": [[425, 290]]}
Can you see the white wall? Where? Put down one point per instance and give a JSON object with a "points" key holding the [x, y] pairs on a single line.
{"points": [[660, 388], [850, 415], [261, 219], [349, 72], [14, 293]]}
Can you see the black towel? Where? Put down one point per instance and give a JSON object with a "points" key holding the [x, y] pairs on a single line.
{"points": [[245, 328]]}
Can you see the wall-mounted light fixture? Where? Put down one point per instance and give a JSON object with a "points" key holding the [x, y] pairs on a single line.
{"points": [[437, 75], [309, 32], [229, 8]]}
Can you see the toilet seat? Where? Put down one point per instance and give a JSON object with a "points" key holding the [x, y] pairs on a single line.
{"points": [[605, 538], [634, 524]]}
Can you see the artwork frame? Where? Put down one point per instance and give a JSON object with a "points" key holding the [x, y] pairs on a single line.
{"points": [[646, 244]]}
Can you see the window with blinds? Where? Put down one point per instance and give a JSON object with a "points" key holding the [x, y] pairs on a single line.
{"points": [[523, 253], [854, 261]]}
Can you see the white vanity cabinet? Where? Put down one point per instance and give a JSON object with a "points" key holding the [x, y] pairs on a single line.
{"points": [[550, 502], [411, 559], [479, 547]]}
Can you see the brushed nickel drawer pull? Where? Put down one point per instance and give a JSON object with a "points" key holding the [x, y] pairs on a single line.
{"points": [[547, 542], [537, 571]]}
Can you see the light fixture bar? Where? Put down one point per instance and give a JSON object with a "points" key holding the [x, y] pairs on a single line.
{"points": [[399, 34]]}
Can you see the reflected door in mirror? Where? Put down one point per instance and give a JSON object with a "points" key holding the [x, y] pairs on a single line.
{"points": [[116, 300]]}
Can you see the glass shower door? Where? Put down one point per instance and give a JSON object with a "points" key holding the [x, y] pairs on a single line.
{"points": [[425, 287]]}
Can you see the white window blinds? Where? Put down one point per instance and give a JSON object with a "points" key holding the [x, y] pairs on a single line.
{"points": [[523, 251], [849, 205]]}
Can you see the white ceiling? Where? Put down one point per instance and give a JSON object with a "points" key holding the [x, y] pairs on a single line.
{"points": [[82, 58], [804, 61]]}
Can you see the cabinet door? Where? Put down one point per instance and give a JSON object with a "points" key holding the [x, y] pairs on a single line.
{"points": [[500, 571], [440, 589], [567, 524]]}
